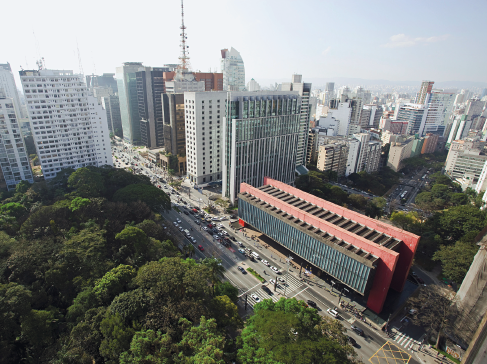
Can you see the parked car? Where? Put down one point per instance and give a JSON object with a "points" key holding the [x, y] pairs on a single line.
{"points": [[334, 313], [276, 270], [242, 270], [312, 304], [265, 262], [196, 222], [267, 290], [200, 247], [352, 341], [358, 330]]}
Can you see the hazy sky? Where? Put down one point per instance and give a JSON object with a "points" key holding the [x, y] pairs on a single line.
{"points": [[394, 40]]}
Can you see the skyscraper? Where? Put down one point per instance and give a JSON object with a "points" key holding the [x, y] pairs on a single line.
{"points": [[150, 87], [329, 92], [174, 127], [425, 89], [7, 83], [413, 114], [252, 85], [106, 80], [14, 161], [129, 104], [111, 104], [233, 70], [260, 138], [440, 105], [69, 127]]}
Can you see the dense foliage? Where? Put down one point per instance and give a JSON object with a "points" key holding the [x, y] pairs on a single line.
{"points": [[88, 275]]}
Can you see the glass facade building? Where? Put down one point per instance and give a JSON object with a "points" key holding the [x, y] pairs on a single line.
{"points": [[260, 138]]}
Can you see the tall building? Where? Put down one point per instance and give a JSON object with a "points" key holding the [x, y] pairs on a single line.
{"points": [[425, 89], [111, 104], [465, 161], [233, 70], [474, 108], [430, 144], [341, 110], [374, 152], [129, 103], [107, 80], [150, 87], [7, 83], [173, 113], [370, 116], [412, 114], [304, 90], [440, 106], [364, 139], [204, 118], [329, 93], [69, 127], [252, 85], [260, 138], [14, 161], [333, 157]]}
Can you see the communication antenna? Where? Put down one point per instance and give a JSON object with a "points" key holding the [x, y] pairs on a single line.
{"points": [[41, 62], [79, 60], [184, 67]]}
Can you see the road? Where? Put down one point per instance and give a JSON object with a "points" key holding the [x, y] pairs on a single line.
{"points": [[248, 286]]}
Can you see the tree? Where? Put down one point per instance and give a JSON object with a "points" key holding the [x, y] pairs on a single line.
{"points": [[154, 198], [226, 312], [78, 203], [456, 259], [358, 201], [458, 221], [227, 289], [457, 199], [87, 183], [134, 242], [22, 187], [148, 346], [116, 337], [132, 306], [216, 269], [404, 220], [433, 309], [113, 283], [37, 327]]}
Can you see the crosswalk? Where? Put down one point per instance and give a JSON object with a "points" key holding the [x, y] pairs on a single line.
{"points": [[293, 284], [404, 340]]}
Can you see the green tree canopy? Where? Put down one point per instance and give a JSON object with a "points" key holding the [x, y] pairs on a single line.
{"points": [[456, 259], [87, 183], [154, 198]]}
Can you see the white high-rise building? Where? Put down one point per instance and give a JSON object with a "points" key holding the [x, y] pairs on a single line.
{"points": [[204, 113], [70, 129], [14, 161], [233, 70], [341, 110], [440, 106], [7, 83], [252, 85]]}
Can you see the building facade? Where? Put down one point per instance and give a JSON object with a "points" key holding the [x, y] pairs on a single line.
{"points": [[363, 254], [14, 161], [204, 120], [111, 104], [430, 143], [333, 157], [412, 114], [260, 138], [7, 83], [398, 152], [252, 85], [69, 130], [174, 123], [233, 70], [426, 87], [129, 103]]}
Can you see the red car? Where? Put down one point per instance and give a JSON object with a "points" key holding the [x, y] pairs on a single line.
{"points": [[200, 247], [210, 226]]}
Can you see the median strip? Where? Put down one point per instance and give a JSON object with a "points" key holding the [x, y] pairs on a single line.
{"points": [[256, 275]]}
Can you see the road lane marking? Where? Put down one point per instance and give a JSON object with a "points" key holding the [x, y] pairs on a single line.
{"points": [[258, 284]]}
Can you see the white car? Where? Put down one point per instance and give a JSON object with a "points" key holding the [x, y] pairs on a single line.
{"points": [[215, 219], [332, 312], [271, 281], [255, 297], [265, 262], [175, 223], [205, 228], [281, 280], [275, 270], [179, 221]]}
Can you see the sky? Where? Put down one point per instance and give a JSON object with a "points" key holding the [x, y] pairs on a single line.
{"points": [[438, 40]]}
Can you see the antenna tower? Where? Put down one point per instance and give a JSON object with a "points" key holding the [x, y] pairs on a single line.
{"points": [[184, 65], [79, 60]]}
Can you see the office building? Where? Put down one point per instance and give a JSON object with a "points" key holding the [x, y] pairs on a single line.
{"points": [[430, 144], [398, 152], [233, 70], [100, 92], [474, 109], [465, 162], [260, 138], [173, 113], [426, 87], [374, 152], [150, 87], [364, 255], [370, 117], [204, 114], [329, 93], [333, 157], [252, 85], [211, 81], [14, 161], [111, 105], [341, 110], [107, 80], [412, 114], [69, 127], [129, 103], [440, 106], [304, 90], [417, 147], [7, 83]]}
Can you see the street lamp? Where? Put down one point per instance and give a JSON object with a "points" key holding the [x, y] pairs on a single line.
{"points": [[340, 296], [332, 285], [288, 260]]}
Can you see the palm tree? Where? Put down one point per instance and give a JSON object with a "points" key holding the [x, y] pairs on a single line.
{"points": [[216, 270]]}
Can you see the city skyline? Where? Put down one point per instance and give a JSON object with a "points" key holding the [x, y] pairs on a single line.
{"points": [[391, 48]]}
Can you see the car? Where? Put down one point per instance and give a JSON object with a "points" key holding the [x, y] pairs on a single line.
{"points": [[205, 228], [312, 304], [216, 236], [239, 243], [241, 251], [223, 218], [358, 330], [255, 297], [175, 223], [193, 240], [179, 221], [333, 313], [220, 225], [276, 270], [414, 273], [233, 238], [267, 290], [420, 280], [180, 228], [265, 262], [280, 279], [197, 222], [242, 270], [186, 212], [271, 281], [200, 247], [210, 226], [215, 219], [352, 341]]}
